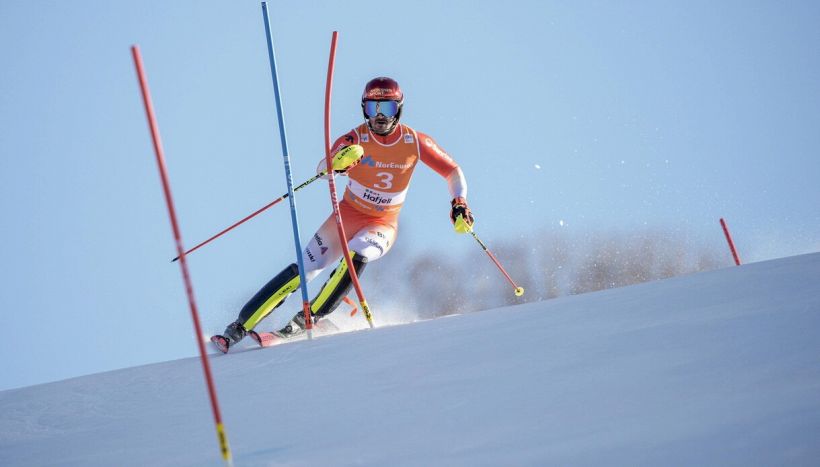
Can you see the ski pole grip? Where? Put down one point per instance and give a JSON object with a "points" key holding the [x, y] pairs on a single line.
{"points": [[461, 225]]}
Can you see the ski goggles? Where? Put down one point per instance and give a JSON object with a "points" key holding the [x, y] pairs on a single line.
{"points": [[387, 108]]}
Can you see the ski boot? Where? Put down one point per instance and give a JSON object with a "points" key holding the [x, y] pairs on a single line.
{"points": [[294, 328], [233, 334]]}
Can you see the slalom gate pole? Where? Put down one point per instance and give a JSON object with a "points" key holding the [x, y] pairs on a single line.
{"points": [[335, 202], [729, 240], [189, 289], [289, 178], [519, 291], [257, 212]]}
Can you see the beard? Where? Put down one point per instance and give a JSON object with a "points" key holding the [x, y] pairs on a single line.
{"points": [[382, 126]]}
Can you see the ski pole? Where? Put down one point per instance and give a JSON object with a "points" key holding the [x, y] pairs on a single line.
{"points": [[259, 211], [519, 291], [341, 161]]}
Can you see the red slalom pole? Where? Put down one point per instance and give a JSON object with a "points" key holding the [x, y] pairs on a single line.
{"points": [[189, 289], [335, 202], [729, 240]]}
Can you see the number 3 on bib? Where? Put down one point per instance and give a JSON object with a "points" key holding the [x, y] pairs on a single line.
{"points": [[386, 181]]}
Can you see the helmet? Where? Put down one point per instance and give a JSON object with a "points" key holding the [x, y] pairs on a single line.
{"points": [[383, 89]]}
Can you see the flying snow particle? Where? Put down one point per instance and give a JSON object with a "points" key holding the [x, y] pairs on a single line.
{"points": [[561, 222], [537, 166]]}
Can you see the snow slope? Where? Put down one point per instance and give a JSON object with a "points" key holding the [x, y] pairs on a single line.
{"points": [[718, 368]]}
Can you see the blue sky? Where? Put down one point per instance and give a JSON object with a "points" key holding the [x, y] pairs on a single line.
{"points": [[580, 116]]}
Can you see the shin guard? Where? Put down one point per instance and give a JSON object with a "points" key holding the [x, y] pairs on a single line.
{"points": [[336, 287], [269, 297]]}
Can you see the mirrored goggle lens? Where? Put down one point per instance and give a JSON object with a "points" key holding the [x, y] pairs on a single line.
{"points": [[386, 108]]}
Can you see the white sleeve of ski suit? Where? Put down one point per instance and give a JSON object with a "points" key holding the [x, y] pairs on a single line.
{"points": [[457, 184]]}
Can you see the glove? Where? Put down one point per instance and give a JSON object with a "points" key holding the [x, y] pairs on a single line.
{"points": [[461, 216], [347, 157]]}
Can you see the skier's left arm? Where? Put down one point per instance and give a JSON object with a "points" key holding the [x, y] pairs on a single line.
{"points": [[441, 162]]}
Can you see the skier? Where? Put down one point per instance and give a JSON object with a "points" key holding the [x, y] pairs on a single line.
{"points": [[376, 189]]}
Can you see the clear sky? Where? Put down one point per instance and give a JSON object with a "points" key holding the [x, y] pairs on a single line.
{"points": [[570, 115]]}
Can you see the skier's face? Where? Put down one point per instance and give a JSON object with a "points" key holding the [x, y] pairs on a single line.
{"points": [[381, 115]]}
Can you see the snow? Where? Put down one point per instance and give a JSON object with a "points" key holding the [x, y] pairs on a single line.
{"points": [[716, 368]]}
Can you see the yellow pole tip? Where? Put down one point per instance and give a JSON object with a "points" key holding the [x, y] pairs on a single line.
{"points": [[519, 291]]}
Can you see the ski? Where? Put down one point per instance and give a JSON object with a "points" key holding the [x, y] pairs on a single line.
{"points": [[266, 339], [221, 343]]}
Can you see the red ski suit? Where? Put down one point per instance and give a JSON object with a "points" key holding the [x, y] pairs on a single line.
{"points": [[376, 190]]}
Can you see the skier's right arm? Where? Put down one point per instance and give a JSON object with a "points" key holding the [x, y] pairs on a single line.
{"points": [[348, 139]]}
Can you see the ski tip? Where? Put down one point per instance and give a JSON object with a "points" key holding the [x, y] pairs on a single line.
{"points": [[221, 343], [255, 336]]}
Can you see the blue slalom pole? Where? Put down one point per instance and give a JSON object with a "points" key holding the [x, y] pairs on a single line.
{"points": [[288, 176]]}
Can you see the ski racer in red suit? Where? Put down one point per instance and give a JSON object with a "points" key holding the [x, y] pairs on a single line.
{"points": [[377, 187]]}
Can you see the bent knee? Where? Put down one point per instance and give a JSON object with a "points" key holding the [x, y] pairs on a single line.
{"points": [[371, 246]]}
